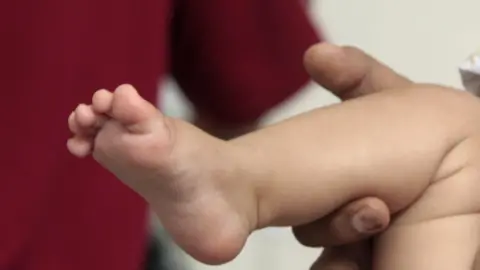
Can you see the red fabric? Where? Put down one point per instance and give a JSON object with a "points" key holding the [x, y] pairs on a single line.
{"points": [[234, 58]]}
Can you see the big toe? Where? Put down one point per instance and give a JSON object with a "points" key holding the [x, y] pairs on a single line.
{"points": [[130, 109]]}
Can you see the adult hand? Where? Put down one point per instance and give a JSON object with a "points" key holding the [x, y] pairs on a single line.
{"points": [[348, 73]]}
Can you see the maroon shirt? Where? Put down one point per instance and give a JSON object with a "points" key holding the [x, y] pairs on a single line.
{"points": [[233, 59]]}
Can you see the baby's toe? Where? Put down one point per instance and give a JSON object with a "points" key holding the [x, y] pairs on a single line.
{"points": [[87, 121], [72, 124], [79, 146], [134, 112], [102, 101], [84, 116]]}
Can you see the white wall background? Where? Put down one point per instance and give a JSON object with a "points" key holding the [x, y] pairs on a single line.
{"points": [[423, 39]]}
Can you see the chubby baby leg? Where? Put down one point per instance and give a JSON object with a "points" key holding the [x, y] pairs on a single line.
{"points": [[390, 145], [442, 244], [439, 231]]}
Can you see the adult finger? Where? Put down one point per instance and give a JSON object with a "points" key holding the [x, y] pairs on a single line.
{"points": [[349, 72], [357, 220], [350, 257]]}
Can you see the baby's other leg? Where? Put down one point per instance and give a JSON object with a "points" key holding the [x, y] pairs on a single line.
{"points": [[440, 231], [447, 243]]}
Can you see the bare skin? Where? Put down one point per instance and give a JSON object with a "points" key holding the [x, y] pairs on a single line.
{"points": [[348, 73], [353, 74], [183, 172]]}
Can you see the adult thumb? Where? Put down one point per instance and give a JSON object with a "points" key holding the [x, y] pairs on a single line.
{"points": [[349, 72]]}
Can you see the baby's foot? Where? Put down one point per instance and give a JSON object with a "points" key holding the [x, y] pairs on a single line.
{"points": [[188, 177]]}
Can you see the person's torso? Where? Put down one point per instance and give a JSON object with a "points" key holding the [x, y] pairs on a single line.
{"points": [[58, 212]]}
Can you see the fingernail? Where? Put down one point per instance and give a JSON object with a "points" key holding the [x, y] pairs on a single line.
{"points": [[366, 221]]}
